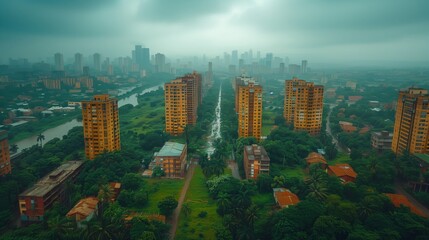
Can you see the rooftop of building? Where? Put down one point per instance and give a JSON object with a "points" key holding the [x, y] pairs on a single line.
{"points": [[416, 91], [398, 200], [343, 169], [285, 197], [84, 207], [315, 157], [384, 134], [255, 151], [53, 179], [171, 149], [100, 98], [422, 156]]}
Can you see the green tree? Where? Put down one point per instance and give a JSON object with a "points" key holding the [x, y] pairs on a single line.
{"points": [[167, 205], [187, 210], [40, 138]]}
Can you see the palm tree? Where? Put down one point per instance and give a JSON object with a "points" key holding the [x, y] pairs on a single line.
{"points": [[316, 184], [13, 148], [104, 196], [59, 227], [186, 209], [40, 138], [223, 204], [251, 215]]}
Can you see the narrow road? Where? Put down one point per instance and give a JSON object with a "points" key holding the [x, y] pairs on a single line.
{"points": [[175, 216], [234, 168], [400, 190], [328, 129]]}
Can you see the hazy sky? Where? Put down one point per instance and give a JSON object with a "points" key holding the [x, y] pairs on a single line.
{"points": [[319, 30]]}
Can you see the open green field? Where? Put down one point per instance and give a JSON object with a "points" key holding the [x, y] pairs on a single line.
{"points": [[289, 172], [145, 117], [158, 190], [198, 199], [267, 122], [341, 158]]}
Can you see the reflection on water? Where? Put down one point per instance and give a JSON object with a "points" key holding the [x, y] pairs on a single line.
{"points": [[215, 133]]}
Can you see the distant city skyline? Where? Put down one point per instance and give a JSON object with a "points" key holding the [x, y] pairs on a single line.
{"points": [[324, 31]]}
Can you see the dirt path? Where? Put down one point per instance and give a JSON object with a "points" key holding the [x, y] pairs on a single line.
{"points": [[399, 189], [234, 168], [175, 216]]}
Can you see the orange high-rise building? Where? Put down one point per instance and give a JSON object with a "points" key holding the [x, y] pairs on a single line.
{"points": [[303, 105], [411, 131], [5, 166], [248, 97], [100, 119], [182, 98]]}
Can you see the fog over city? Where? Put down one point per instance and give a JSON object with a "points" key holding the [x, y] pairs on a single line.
{"points": [[366, 32]]}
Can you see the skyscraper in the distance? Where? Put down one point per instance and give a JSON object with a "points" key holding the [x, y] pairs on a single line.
{"points": [[78, 63], [100, 120], [142, 57], [303, 105], [248, 102], [411, 130], [5, 167], [304, 66], [160, 62], [97, 62], [59, 62]]}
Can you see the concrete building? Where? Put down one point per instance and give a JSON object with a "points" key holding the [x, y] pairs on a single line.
{"points": [[59, 62], [182, 97], [78, 63], [100, 120], [97, 62], [255, 161], [304, 64], [172, 159], [142, 57], [411, 129], [248, 105], [160, 62], [34, 201], [5, 166], [381, 141], [303, 105]]}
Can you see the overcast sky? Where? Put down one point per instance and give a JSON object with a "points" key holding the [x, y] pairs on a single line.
{"points": [[318, 30]]}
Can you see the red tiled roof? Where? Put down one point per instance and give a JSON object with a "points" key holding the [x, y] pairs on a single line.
{"points": [[364, 130], [348, 128], [315, 157], [343, 169], [284, 197], [84, 207], [398, 200], [355, 98]]}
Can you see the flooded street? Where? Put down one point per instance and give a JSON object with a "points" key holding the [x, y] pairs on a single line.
{"points": [[215, 131]]}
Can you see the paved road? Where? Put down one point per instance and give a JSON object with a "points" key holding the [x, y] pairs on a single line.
{"points": [[175, 216], [234, 168], [400, 190], [329, 132]]}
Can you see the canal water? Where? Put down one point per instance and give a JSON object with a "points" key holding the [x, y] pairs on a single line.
{"points": [[61, 130], [215, 131]]}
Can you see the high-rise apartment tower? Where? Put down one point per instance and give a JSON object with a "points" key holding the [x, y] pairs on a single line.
{"points": [[100, 125], [303, 105], [411, 131]]}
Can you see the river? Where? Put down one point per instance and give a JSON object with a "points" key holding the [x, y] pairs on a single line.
{"points": [[61, 130], [215, 131]]}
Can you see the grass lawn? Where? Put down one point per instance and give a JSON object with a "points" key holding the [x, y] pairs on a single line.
{"points": [[296, 171], [159, 189], [341, 158], [194, 227], [267, 122], [144, 118]]}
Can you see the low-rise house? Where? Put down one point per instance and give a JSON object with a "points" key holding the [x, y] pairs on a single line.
{"points": [[284, 197], [381, 141], [115, 187], [400, 200], [172, 159], [347, 127], [344, 171], [84, 210], [314, 157], [34, 201]]}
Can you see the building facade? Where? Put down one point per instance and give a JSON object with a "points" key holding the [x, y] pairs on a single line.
{"points": [[5, 166], [411, 130], [303, 105], [248, 105], [381, 141], [34, 201], [171, 159], [100, 119], [255, 161], [182, 97]]}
